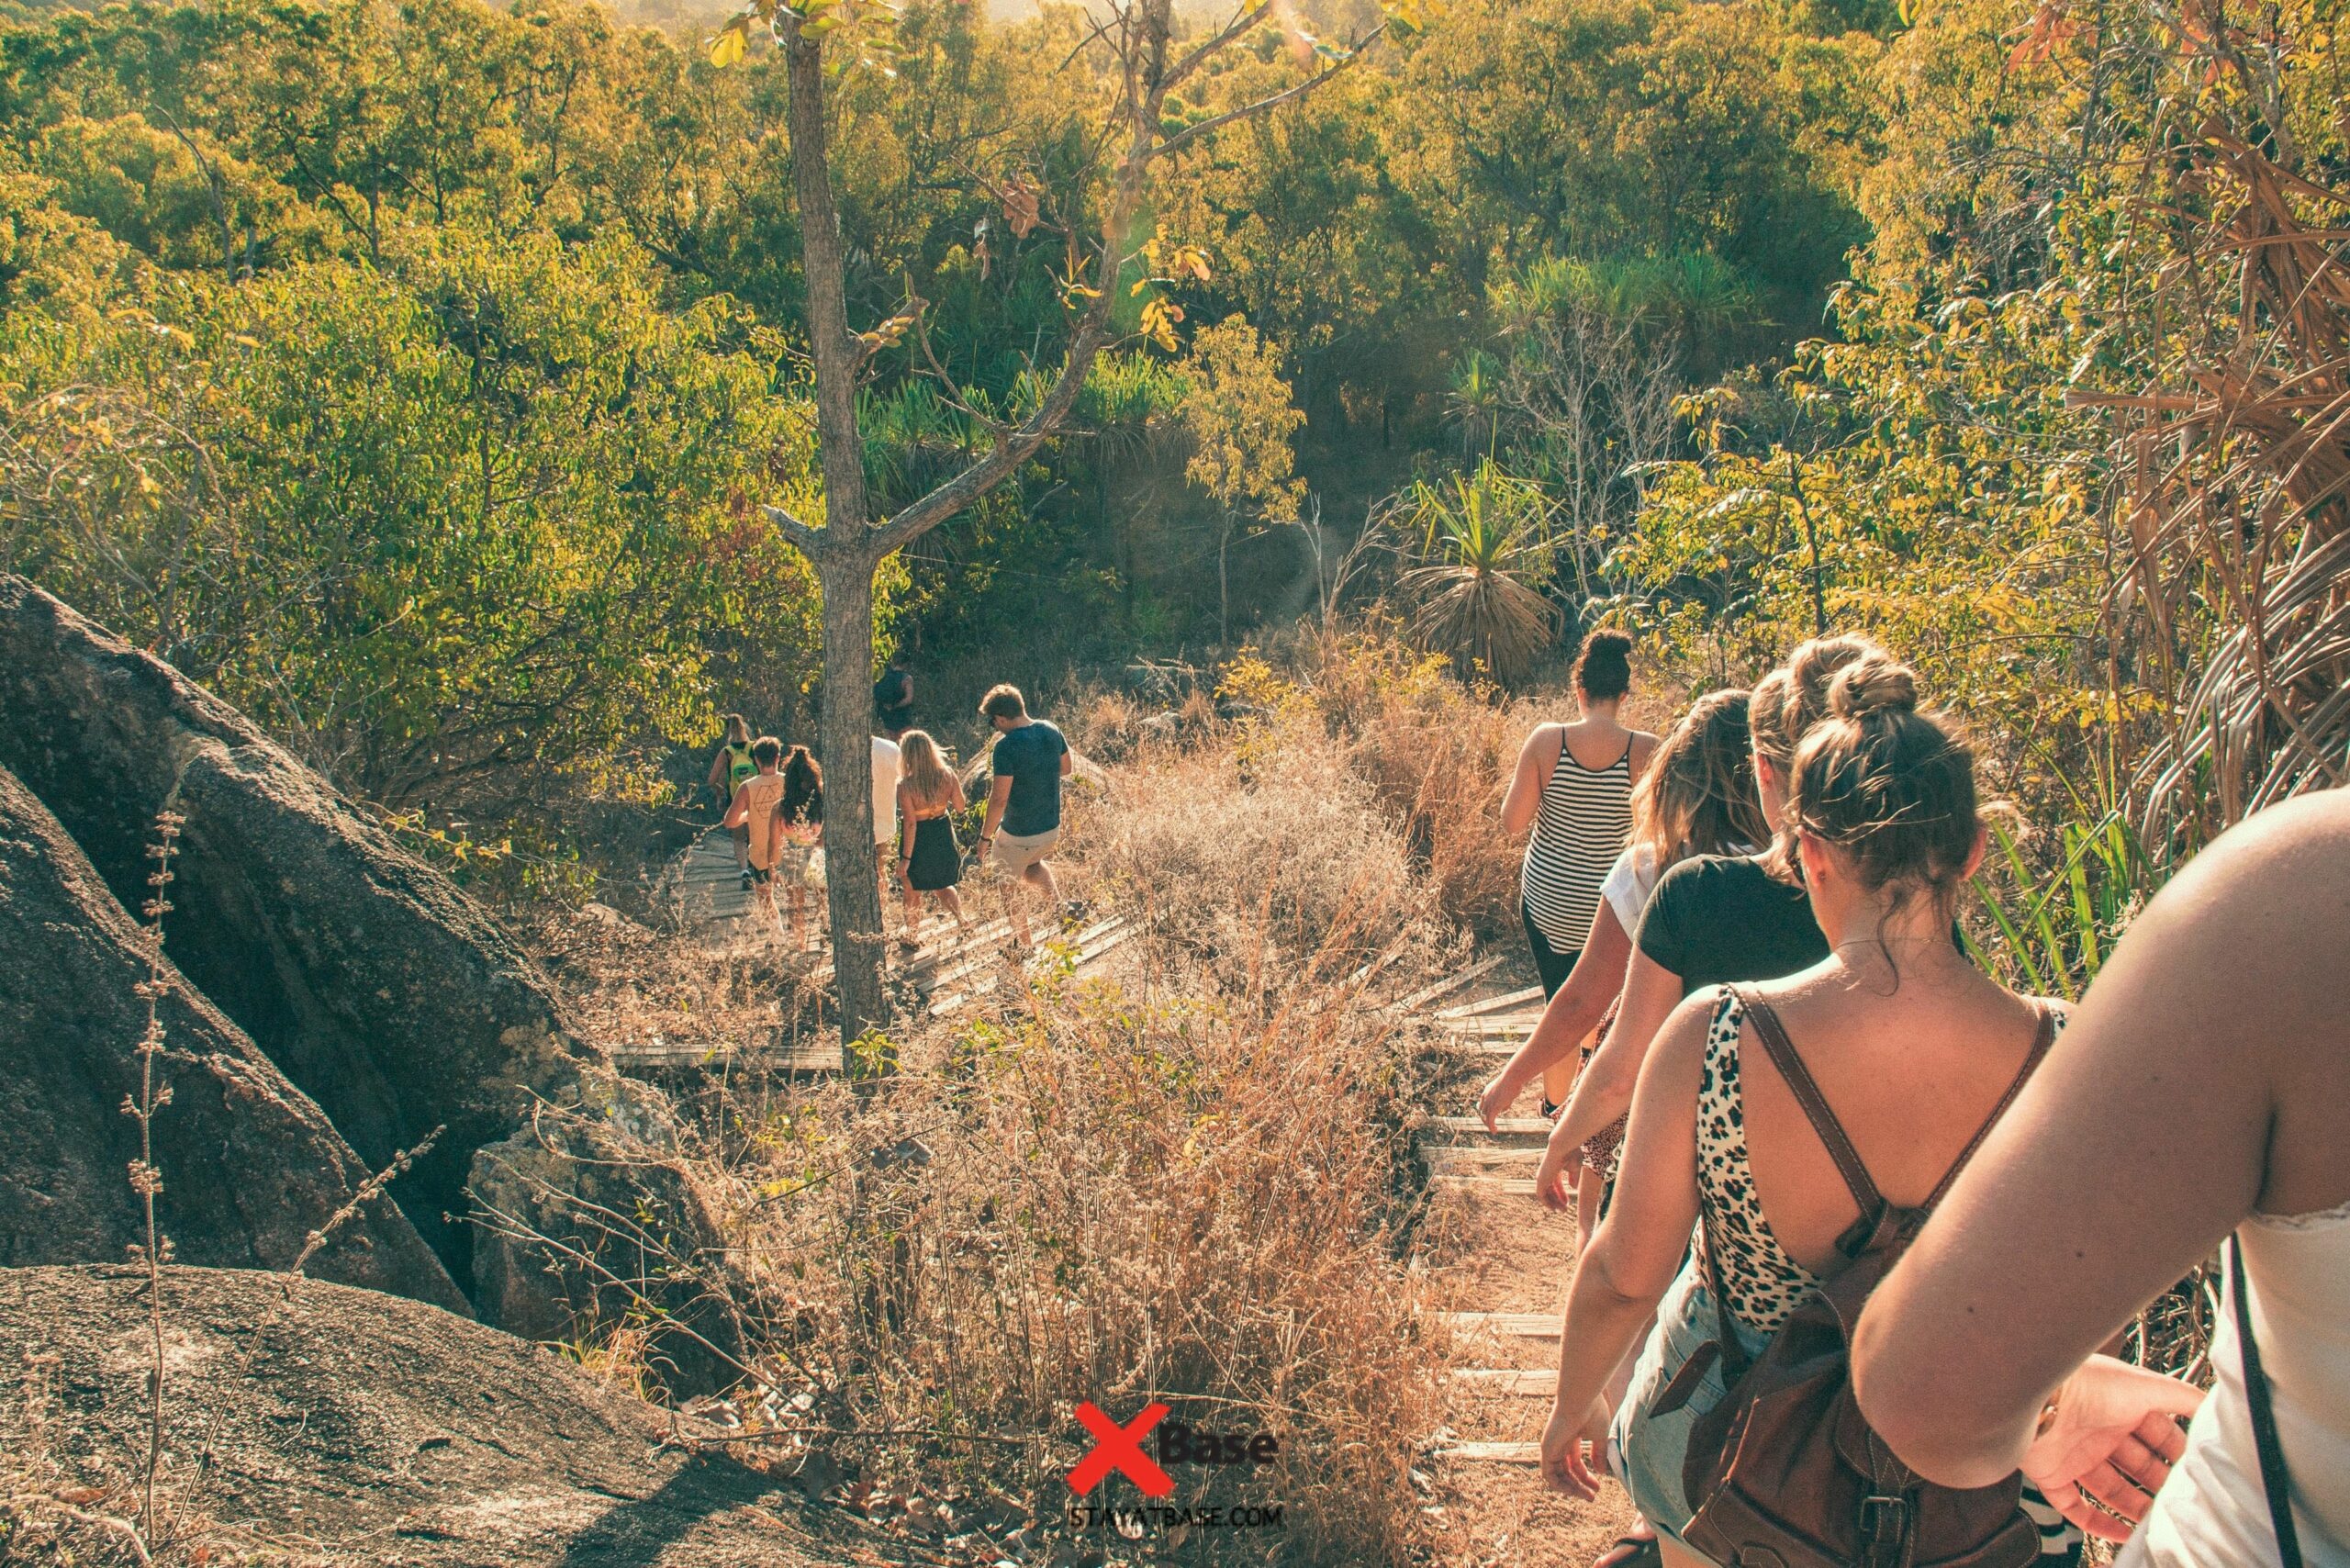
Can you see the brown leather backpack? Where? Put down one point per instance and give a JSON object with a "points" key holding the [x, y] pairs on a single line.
{"points": [[1785, 1473]]}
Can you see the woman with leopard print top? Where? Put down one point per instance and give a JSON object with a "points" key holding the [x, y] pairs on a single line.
{"points": [[1911, 1045]]}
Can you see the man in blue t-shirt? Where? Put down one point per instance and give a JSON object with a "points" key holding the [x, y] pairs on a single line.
{"points": [[1030, 761]]}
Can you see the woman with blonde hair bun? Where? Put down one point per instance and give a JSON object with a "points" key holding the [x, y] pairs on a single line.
{"points": [[1892, 1047]]}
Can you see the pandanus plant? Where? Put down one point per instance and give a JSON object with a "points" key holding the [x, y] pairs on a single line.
{"points": [[1482, 547]]}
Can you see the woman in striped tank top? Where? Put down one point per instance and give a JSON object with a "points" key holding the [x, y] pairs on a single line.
{"points": [[1573, 788]]}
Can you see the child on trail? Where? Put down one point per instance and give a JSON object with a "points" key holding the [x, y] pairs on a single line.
{"points": [[752, 815], [729, 771], [929, 860]]}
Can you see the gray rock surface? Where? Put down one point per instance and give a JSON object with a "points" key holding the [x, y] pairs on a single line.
{"points": [[378, 987], [250, 1165]]}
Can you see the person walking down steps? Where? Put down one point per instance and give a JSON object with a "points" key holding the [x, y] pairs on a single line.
{"points": [[1574, 789], [929, 860], [1030, 760], [754, 816], [729, 771]]}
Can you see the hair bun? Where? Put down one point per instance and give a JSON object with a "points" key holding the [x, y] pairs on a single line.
{"points": [[1608, 643], [1876, 683]]}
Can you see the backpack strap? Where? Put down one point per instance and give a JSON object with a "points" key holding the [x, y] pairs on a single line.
{"points": [[2039, 1043], [1799, 1081], [2273, 1479]]}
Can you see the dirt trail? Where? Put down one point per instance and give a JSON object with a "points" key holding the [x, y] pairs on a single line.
{"points": [[1507, 1262]]}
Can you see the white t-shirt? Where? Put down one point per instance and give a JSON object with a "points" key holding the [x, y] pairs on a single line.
{"points": [[1629, 882], [885, 792], [1632, 879]]}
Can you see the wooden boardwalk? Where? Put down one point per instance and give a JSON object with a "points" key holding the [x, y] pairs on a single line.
{"points": [[949, 972], [1513, 1265]]}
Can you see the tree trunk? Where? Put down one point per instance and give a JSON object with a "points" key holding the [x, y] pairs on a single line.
{"points": [[844, 559], [852, 875], [1224, 582]]}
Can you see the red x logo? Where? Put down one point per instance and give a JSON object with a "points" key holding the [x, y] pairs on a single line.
{"points": [[1119, 1448]]}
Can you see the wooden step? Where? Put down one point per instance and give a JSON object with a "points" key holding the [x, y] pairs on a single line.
{"points": [[1480, 1045], [1518, 1382], [1482, 1185], [1507, 1325], [1488, 1453], [1511, 1132], [1437, 990], [1509, 1002], [1492, 1023], [802, 1057], [1448, 1158]]}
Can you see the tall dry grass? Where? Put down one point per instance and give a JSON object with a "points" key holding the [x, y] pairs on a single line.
{"points": [[1192, 1183]]}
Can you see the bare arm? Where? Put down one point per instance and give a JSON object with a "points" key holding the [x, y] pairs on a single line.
{"points": [[738, 811], [716, 780], [1525, 797], [1068, 762], [1604, 1089], [999, 795], [1638, 1249], [1581, 1001], [2075, 1214]]}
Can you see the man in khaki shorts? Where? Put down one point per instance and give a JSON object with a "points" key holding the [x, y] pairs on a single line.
{"points": [[1030, 759]]}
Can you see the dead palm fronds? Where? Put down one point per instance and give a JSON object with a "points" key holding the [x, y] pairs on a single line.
{"points": [[2235, 473], [1482, 544]]}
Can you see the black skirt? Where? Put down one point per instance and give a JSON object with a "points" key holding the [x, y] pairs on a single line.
{"points": [[936, 861]]}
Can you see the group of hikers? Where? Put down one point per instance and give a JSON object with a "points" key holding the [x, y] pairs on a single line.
{"points": [[1860, 1229], [773, 797]]}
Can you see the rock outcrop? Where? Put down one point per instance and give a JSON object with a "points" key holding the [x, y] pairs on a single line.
{"points": [[585, 1217], [342, 1426], [250, 1165], [381, 991]]}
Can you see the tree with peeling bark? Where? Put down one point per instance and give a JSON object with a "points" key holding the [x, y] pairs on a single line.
{"points": [[1137, 51]]}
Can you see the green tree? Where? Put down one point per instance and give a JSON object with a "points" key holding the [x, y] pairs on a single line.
{"points": [[1136, 59], [1238, 413], [457, 526]]}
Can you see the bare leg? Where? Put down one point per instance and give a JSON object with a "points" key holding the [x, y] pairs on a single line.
{"points": [[742, 837], [799, 918], [953, 903], [1040, 876], [1589, 1185]]}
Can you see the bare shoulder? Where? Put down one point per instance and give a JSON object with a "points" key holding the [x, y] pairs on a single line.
{"points": [[1681, 1039], [2262, 910]]}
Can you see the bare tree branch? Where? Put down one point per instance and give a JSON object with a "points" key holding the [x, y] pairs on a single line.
{"points": [[804, 539], [1271, 101]]}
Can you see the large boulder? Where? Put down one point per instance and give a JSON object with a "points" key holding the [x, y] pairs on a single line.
{"points": [[359, 1427], [250, 1166], [378, 987], [588, 1221]]}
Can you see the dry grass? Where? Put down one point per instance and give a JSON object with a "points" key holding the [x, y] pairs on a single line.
{"points": [[1194, 1184]]}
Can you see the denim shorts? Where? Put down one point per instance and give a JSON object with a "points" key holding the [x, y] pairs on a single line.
{"points": [[1646, 1451]]}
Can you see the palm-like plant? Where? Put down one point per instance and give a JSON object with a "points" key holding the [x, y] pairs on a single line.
{"points": [[1473, 402], [1484, 544]]}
